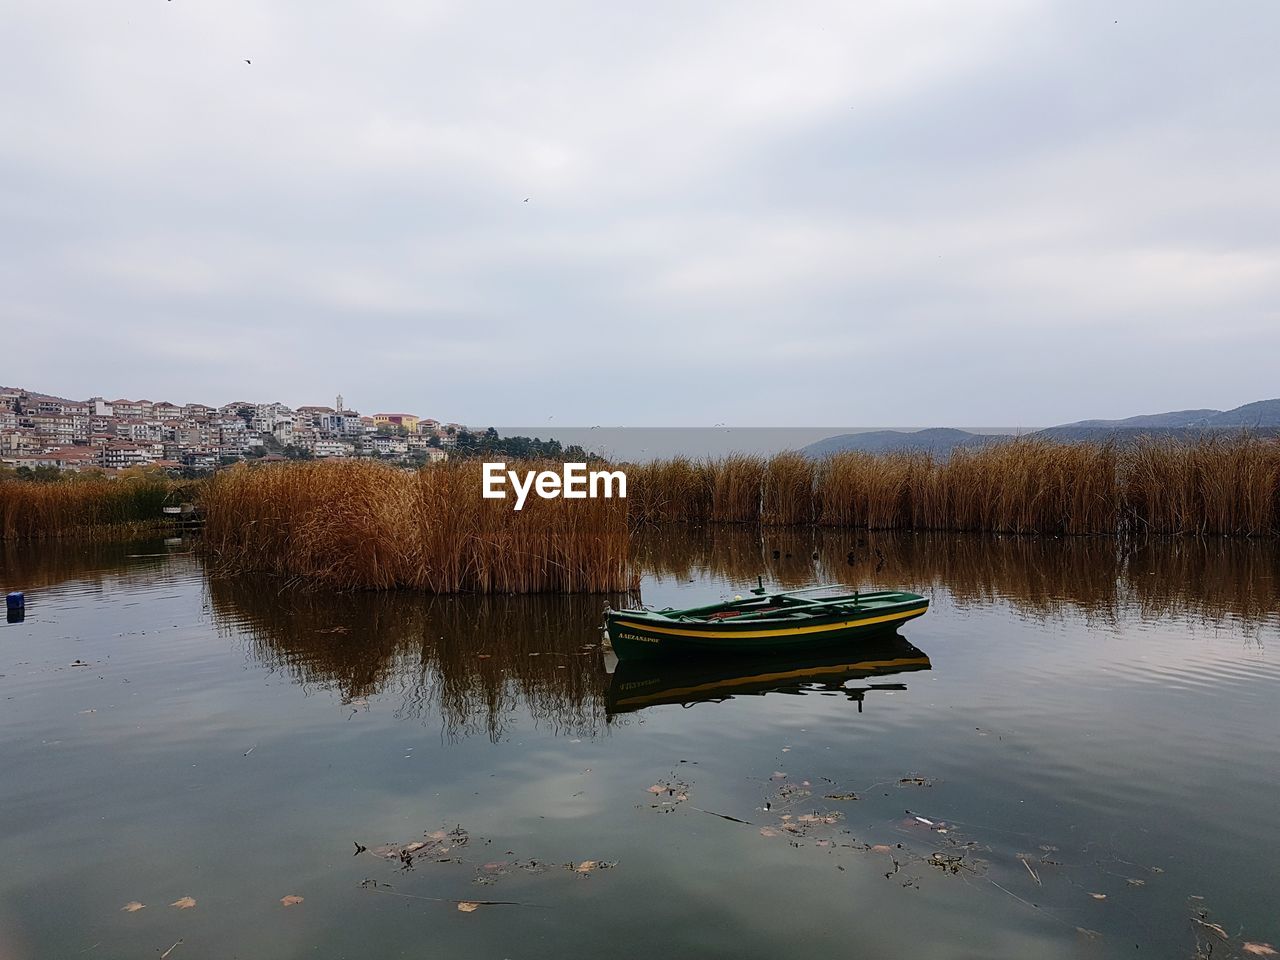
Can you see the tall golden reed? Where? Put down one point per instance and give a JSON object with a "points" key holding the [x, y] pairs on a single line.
{"points": [[91, 507], [1217, 485], [360, 524]]}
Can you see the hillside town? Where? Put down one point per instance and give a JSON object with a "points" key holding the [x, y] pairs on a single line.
{"points": [[42, 431]]}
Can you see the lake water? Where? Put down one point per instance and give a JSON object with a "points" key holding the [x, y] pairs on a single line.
{"points": [[1075, 753]]}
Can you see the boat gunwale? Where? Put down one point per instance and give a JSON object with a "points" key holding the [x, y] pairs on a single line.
{"points": [[854, 609]]}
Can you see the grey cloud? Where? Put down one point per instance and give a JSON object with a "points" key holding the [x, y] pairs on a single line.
{"points": [[907, 213]]}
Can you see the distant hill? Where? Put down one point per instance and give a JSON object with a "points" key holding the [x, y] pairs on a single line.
{"points": [[1177, 418], [937, 440], [1261, 415]]}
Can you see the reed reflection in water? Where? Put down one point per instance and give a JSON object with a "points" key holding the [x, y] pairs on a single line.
{"points": [[476, 660], [1204, 580], [479, 661], [24, 566]]}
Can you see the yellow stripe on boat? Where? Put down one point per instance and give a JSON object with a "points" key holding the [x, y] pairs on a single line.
{"points": [[776, 631]]}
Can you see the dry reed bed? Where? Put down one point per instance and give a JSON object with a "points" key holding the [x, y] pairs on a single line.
{"points": [[84, 506], [368, 525], [1217, 485]]}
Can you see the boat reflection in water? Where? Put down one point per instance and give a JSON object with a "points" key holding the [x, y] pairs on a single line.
{"points": [[636, 684]]}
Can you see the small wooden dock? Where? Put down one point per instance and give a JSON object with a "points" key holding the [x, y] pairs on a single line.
{"points": [[186, 518]]}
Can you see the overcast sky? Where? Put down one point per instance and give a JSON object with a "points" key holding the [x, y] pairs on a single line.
{"points": [[909, 212]]}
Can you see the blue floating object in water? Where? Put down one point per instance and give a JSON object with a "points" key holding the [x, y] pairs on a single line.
{"points": [[15, 601]]}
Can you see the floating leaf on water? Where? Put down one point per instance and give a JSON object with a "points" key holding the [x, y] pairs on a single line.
{"points": [[133, 906], [778, 775], [184, 903], [827, 818], [882, 848], [290, 900], [468, 906], [1137, 883], [1098, 896], [657, 788], [437, 835], [1213, 928], [1259, 949], [768, 832], [915, 782], [841, 796], [586, 866]]}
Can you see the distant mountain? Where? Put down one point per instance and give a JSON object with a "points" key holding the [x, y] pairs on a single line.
{"points": [[1261, 415], [1177, 418], [937, 440]]}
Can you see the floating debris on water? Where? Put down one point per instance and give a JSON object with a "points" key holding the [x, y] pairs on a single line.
{"points": [[672, 791], [915, 782], [434, 848]]}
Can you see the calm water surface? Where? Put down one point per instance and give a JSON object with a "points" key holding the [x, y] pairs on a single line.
{"points": [[1074, 754]]}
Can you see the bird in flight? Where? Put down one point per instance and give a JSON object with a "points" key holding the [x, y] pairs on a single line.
{"points": [[250, 62], [526, 200]]}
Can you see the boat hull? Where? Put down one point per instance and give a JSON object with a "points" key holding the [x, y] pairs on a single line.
{"points": [[634, 635]]}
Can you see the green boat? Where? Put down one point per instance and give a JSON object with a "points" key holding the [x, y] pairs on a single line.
{"points": [[764, 623], [637, 684]]}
